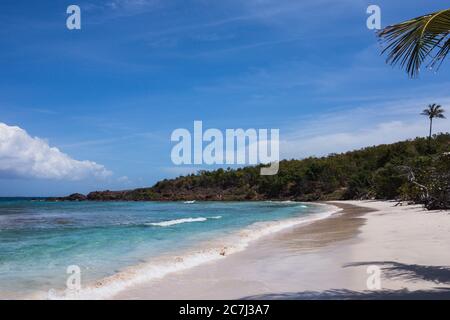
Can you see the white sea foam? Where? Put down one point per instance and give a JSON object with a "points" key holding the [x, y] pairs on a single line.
{"points": [[283, 202], [176, 221], [215, 250]]}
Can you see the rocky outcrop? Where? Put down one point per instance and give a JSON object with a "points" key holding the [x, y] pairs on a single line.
{"points": [[72, 197]]}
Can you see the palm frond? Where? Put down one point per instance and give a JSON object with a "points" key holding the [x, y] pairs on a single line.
{"points": [[412, 42], [434, 111]]}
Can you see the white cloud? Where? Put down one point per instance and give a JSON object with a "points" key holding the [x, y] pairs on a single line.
{"points": [[26, 157]]}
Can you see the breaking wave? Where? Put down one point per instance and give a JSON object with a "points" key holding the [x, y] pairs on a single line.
{"points": [[178, 221], [212, 250]]}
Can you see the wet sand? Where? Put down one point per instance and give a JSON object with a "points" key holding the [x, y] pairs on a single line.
{"points": [[341, 226], [326, 259]]}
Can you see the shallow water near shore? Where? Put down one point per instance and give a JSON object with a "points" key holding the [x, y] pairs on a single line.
{"points": [[39, 239]]}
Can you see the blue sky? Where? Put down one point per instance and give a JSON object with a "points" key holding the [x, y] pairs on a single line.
{"points": [[112, 92]]}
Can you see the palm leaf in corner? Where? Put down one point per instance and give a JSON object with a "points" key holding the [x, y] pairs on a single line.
{"points": [[412, 42]]}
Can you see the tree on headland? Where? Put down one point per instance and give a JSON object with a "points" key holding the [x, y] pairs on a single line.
{"points": [[411, 43], [433, 111]]}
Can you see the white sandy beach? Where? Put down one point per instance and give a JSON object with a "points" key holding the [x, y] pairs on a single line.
{"points": [[408, 244]]}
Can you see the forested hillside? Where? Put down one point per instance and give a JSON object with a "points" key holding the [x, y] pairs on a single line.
{"points": [[415, 170]]}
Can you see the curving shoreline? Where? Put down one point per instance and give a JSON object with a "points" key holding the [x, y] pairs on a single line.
{"points": [[325, 259], [213, 251]]}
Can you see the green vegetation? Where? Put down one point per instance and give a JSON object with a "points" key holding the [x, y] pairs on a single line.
{"points": [[416, 170], [415, 41]]}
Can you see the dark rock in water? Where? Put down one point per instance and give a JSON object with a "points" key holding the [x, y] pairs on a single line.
{"points": [[72, 197], [108, 196], [76, 197]]}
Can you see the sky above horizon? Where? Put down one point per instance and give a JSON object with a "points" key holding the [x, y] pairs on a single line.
{"points": [[108, 96]]}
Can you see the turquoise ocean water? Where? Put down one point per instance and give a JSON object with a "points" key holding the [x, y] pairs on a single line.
{"points": [[39, 239]]}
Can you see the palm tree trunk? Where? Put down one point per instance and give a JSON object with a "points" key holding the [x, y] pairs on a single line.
{"points": [[431, 128]]}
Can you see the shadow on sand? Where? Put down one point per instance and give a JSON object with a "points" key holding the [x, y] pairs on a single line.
{"points": [[391, 270], [409, 272], [343, 294]]}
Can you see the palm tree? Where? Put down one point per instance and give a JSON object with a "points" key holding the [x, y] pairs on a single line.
{"points": [[433, 111], [412, 42]]}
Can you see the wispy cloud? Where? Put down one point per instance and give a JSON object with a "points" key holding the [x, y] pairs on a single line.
{"points": [[112, 9], [356, 128], [273, 13], [112, 140]]}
